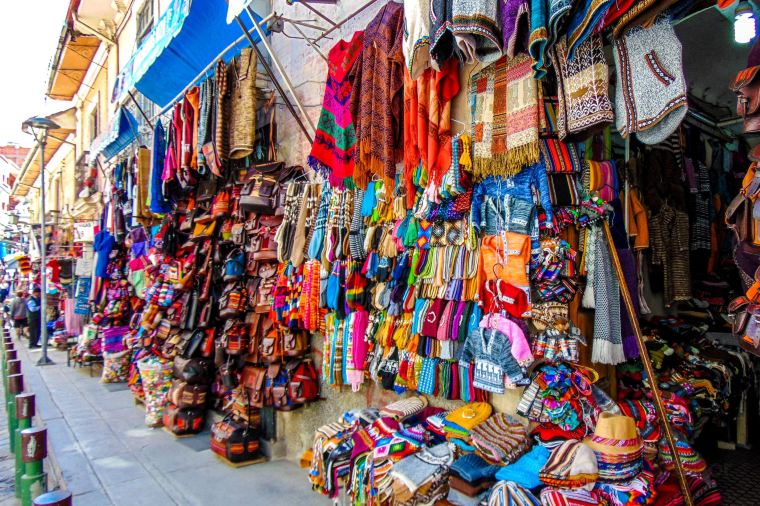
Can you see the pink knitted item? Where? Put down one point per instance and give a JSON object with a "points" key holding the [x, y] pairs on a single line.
{"points": [[520, 347]]}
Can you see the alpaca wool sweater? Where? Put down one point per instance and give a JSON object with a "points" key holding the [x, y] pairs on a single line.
{"points": [[651, 98]]}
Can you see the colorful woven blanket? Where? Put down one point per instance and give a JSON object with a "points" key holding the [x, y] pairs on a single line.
{"points": [[506, 116]]}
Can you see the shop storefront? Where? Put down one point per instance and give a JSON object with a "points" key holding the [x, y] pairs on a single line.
{"points": [[511, 216]]}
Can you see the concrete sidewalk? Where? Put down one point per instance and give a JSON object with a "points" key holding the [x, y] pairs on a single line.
{"points": [[107, 455]]}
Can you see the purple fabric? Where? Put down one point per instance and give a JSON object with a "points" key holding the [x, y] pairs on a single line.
{"points": [[754, 55], [628, 262], [515, 18]]}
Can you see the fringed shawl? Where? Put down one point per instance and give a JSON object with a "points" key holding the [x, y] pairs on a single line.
{"points": [[332, 153], [377, 98], [506, 114]]}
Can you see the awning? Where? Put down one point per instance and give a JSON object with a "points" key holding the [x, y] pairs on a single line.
{"points": [[70, 64], [187, 37], [30, 171], [121, 132]]}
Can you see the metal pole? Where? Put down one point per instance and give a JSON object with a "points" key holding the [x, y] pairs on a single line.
{"points": [[344, 21], [44, 359], [644, 355], [277, 64], [276, 83]]}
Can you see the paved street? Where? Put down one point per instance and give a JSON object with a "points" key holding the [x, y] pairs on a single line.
{"points": [[108, 456]]}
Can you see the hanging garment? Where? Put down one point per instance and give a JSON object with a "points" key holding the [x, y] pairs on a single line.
{"points": [[652, 89], [476, 30], [504, 105], [158, 203], [515, 24], [442, 42], [583, 21], [427, 124], [669, 232], [190, 128], [222, 111], [416, 36], [583, 88], [377, 98], [242, 118], [332, 153]]}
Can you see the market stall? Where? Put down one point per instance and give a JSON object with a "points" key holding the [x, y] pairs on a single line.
{"points": [[524, 238]]}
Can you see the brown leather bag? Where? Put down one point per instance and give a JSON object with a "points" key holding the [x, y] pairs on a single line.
{"points": [[252, 379], [185, 395], [746, 85], [294, 343]]}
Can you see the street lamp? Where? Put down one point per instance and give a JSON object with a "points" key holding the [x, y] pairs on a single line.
{"points": [[39, 127]]}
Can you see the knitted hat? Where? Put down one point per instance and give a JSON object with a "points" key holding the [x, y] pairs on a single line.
{"points": [[500, 440], [651, 93], [525, 471], [571, 465], [692, 462], [508, 493], [405, 408], [470, 415]]}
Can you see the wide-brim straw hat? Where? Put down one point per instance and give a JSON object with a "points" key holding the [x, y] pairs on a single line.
{"points": [[615, 435]]}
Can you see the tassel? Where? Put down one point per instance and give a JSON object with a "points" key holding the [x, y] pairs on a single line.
{"points": [[465, 160], [606, 352]]}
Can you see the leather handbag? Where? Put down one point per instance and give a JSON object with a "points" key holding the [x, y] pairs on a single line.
{"points": [[260, 192], [235, 439], [194, 371], [180, 421], [233, 301], [270, 349], [294, 343], [203, 231], [190, 345], [263, 245], [235, 337], [234, 265], [252, 379], [185, 395], [746, 85]]}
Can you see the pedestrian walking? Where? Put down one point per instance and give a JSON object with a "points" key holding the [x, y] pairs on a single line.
{"points": [[18, 313]]}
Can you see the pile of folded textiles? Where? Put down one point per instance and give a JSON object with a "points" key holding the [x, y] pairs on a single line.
{"points": [[409, 453]]}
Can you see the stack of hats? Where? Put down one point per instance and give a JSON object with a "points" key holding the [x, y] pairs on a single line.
{"points": [[458, 424], [692, 462], [470, 478], [500, 440], [571, 465], [618, 447]]}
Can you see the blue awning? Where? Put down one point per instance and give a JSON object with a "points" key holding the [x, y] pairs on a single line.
{"points": [[121, 133], [188, 36]]}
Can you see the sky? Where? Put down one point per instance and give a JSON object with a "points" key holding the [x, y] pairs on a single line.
{"points": [[29, 33]]}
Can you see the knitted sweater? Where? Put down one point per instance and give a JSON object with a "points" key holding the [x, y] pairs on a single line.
{"points": [[490, 350]]}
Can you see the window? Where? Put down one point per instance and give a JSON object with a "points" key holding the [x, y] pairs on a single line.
{"points": [[94, 122], [144, 20]]}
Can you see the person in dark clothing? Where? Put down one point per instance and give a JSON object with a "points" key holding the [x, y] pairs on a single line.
{"points": [[18, 313], [34, 317]]}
